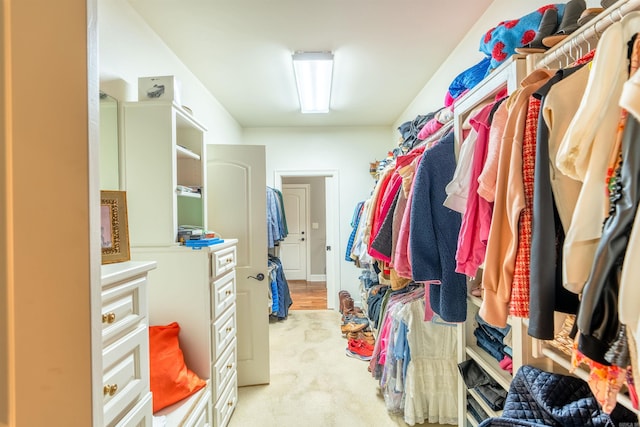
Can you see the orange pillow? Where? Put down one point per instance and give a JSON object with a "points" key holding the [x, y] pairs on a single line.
{"points": [[171, 380]]}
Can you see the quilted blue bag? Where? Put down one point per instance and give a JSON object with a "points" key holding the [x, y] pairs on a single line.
{"points": [[539, 398]]}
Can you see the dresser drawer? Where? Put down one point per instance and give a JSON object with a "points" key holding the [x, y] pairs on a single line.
{"points": [[223, 293], [223, 261], [140, 416], [224, 369], [123, 307], [227, 403], [125, 373], [201, 414], [223, 332]]}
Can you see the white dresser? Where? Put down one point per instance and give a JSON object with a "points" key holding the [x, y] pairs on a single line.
{"points": [[125, 344], [197, 289]]}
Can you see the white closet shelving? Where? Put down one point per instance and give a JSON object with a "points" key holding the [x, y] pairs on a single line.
{"points": [[507, 76], [164, 150], [165, 176]]}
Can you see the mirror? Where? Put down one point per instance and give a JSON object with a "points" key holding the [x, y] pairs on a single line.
{"points": [[109, 147]]}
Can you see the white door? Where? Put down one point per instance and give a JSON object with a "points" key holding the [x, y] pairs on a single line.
{"points": [[236, 208], [293, 250]]}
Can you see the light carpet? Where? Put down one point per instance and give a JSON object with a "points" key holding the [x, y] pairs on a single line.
{"points": [[313, 382]]}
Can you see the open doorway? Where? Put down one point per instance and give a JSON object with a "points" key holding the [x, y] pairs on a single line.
{"points": [[309, 256], [302, 252]]}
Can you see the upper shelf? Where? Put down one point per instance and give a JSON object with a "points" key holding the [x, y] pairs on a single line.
{"points": [[508, 75]]}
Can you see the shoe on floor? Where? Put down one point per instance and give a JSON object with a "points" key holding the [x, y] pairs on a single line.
{"points": [[353, 327], [346, 305], [359, 349], [356, 355], [366, 336], [355, 318]]}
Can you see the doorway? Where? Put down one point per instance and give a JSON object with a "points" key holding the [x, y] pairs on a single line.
{"points": [[322, 254]]}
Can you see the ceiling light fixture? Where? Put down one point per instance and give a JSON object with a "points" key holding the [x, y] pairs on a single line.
{"points": [[313, 72]]}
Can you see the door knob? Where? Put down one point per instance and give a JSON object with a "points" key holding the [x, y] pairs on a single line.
{"points": [[259, 277], [302, 240]]}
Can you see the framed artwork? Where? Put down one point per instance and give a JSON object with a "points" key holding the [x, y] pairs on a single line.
{"points": [[114, 231]]}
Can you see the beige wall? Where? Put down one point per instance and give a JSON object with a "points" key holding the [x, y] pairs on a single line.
{"points": [[48, 262], [129, 49]]}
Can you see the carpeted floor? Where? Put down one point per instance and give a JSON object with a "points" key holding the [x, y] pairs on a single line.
{"points": [[313, 382]]}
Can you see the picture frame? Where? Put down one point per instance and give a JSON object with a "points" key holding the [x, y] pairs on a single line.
{"points": [[114, 227]]}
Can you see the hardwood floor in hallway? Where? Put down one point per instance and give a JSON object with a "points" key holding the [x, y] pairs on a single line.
{"points": [[308, 295]]}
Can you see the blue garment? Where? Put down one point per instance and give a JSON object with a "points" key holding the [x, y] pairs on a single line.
{"points": [[284, 230], [273, 217], [469, 78], [368, 278], [284, 297], [488, 344], [276, 222], [496, 333], [501, 41], [433, 233], [355, 221], [273, 280], [401, 350]]}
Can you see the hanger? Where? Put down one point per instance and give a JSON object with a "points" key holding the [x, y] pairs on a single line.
{"points": [[630, 24], [437, 320]]}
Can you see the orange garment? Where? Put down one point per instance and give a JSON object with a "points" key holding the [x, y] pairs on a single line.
{"points": [[519, 306]]}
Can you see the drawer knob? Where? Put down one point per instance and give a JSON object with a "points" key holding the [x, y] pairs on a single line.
{"points": [[229, 366], [109, 317], [110, 389], [230, 403], [229, 329], [228, 292]]}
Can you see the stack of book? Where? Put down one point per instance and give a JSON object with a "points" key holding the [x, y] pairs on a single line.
{"points": [[199, 243], [187, 233]]}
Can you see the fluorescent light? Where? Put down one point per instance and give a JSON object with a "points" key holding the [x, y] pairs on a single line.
{"points": [[313, 71]]}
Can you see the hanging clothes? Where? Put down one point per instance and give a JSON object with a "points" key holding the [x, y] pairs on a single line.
{"points": [[281, 293], [554, 195], [276, 221], [433, 234], [508, 204], [415, 361]]}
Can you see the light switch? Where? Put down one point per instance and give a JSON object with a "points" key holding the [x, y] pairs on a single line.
{"points": [[315, 225]]}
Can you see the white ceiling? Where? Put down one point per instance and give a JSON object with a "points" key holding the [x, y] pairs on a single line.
{"points": [[385, 52]]}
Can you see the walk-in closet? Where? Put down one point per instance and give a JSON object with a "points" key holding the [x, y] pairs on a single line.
{"points": [[451, 240]]}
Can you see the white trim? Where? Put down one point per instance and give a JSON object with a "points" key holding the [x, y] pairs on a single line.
{"points": [[317, 278], [332, 202]]}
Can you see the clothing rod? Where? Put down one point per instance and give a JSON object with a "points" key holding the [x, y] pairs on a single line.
{"points": [[585, 38], [436, 135]]}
